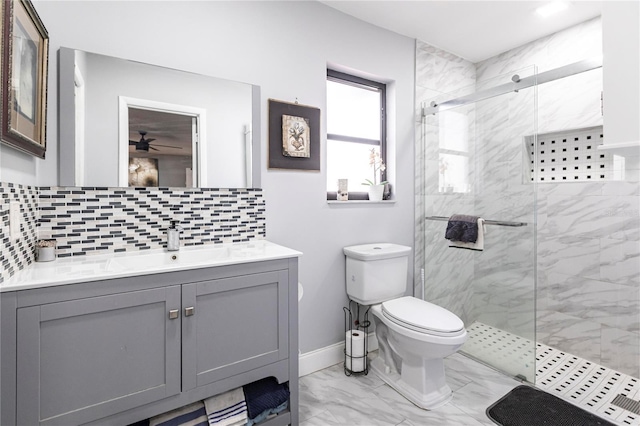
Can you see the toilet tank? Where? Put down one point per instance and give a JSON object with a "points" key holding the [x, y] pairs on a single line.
{"points": [[376, 272]]}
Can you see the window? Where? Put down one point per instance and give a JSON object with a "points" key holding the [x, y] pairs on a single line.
{"points": [[355, 125]]}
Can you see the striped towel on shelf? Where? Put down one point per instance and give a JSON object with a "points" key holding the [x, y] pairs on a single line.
{"points": [[189, 415], [227, 409]]}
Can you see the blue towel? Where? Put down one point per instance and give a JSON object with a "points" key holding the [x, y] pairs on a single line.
{"points": [[462, 228], [267, 414], [265, 394]]}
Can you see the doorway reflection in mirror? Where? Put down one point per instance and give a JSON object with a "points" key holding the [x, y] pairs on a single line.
{"points": [[168, 133]]}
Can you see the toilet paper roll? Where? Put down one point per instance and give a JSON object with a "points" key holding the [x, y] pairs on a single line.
{"points": [[355, 350]]}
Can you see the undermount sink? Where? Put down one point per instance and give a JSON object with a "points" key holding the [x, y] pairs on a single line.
{"points": [[191, 256]]}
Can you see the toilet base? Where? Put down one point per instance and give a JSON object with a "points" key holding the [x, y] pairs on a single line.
{"points": [[430, 401]]}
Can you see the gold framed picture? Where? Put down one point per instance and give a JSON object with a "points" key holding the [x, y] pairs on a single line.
{"points": [[25, 50]]}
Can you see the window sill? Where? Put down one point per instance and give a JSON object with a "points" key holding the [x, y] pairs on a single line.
{"points": [[350, 202]]}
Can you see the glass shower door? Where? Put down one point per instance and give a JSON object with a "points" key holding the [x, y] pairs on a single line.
{"points": [[477, 162]]}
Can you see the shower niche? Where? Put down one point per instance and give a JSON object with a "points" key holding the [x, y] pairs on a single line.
{"points": [[571, 156]]}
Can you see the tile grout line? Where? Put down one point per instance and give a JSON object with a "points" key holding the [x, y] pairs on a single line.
{"points": [[581, 382]]}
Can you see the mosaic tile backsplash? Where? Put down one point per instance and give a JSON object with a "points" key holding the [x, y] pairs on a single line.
{"points": [[88, 220], [16, 255]]}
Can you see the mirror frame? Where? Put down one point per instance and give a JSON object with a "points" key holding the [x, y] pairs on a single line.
{"points": [[68, 153]]}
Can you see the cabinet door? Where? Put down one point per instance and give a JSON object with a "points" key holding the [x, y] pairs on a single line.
{"points": [[237, 324], [84, 359]]}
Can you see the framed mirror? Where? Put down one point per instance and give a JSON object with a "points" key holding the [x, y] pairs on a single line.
{"points": [[126, 123]]}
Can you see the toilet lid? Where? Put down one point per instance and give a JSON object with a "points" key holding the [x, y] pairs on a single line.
{"points": [[422, 316]]}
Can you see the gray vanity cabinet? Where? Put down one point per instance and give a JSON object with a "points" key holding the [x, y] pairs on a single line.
{"points": [[236, 324], [82, 359], [117, 351]]}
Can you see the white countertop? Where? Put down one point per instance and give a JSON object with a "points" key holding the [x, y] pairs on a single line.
{"points": [[108, 266]]}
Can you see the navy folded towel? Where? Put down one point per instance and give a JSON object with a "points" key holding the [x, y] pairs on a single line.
{"points": [[462, 228], [263, 395]]}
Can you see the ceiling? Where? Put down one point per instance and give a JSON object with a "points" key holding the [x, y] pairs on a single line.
{"points": [[473, 30], [172, 132]]}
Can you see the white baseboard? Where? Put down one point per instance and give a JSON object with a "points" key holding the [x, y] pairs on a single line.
{"points": [[317, 360]]}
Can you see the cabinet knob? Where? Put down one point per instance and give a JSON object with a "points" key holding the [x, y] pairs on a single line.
{"points": [[189, 311], [173, 314]]}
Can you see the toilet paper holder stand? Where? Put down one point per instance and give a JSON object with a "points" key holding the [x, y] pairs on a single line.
{"points": [[353, 321]]}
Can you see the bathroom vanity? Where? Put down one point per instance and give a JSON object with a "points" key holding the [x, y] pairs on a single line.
{"points": [[117, 339]]}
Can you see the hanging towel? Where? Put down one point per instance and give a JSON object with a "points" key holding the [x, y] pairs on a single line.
{"points": [[227, 409], [189, 415], [466, 232], [463, 228]]}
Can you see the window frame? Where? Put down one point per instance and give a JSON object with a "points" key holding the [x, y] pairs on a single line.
{"points": [[363, 83]]}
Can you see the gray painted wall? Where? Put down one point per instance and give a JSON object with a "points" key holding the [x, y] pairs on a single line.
{"points": [[284, 47]]}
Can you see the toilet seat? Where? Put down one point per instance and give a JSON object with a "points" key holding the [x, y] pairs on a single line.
{"points": [[423, 317]]}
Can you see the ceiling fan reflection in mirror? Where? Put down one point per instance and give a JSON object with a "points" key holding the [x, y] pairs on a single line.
{"points": [[144, 144]]}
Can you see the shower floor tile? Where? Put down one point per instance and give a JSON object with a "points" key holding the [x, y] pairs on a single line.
{"points": [[581, 382]]}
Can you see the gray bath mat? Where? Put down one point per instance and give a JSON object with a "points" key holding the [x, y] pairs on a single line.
{"points": [[527, 406]]}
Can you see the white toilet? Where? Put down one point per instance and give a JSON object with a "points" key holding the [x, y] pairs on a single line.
{"points": [[414, 336]]}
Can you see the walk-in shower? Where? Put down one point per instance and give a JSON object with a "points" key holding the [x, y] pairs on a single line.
{"points": [[474, 164], [542, 302], [482, 157]]}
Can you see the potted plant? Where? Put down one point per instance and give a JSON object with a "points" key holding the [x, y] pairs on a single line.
{"points": [[376, 188]]}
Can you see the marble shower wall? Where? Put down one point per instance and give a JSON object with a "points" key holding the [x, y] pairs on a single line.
{"points": [[564, 104], [486, 137], [504, 274], [448, 273], [588, 234], [589, 271]]}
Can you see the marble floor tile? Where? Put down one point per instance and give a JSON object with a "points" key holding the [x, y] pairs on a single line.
{"points": [[309, 405], [328, 397], [446, 415], [455, 379], [474, 398], [407, 423], [321, 418], [476, 372]]}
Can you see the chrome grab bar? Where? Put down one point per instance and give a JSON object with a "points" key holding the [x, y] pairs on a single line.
{"points": [[487, 222]]}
